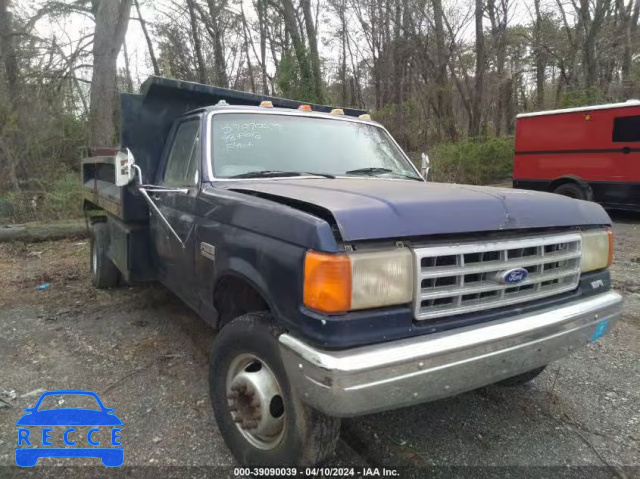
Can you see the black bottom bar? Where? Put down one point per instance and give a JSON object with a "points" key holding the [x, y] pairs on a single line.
{"points": [[610, 194]]}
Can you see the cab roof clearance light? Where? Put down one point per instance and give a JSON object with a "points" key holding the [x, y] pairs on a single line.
{"points": [[305, 108], [266, 104], [337, 111], [365, 117]]}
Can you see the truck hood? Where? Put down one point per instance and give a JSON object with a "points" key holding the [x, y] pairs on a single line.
{"points": [[377, 208]]}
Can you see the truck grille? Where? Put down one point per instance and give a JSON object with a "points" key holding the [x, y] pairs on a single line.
{"points": [[463, 278]]}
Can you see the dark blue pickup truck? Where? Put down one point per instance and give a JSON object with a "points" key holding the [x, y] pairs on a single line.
{"points": [[341, 282]]}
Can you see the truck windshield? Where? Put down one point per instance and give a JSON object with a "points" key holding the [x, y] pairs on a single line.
{"points": [[249, 145]]}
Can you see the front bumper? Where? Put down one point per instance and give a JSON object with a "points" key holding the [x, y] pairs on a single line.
{"points": [[390, 375]]}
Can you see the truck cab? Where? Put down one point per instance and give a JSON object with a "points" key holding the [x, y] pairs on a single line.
{"points": [[341, 282]]}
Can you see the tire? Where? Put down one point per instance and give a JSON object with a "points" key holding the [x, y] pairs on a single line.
{"points": [[572, 190], [104, 273], [521, 379], [287, 432]]}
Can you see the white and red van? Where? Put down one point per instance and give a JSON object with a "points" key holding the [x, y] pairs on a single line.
{"points": [[590, 153]]}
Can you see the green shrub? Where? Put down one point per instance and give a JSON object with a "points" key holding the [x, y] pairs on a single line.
{"points": [[64, 199], [408, 124], [578, 97], [61, 198], [476, 161]]}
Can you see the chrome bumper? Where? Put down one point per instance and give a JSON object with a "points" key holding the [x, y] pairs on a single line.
{"points": [[410, 371]]}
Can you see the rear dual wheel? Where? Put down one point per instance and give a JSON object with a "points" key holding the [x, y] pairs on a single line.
{"points": [[104, 273], [260, 416]]}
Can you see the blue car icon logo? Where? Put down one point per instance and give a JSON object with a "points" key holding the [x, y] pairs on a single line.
{"points": [[74, 422]]}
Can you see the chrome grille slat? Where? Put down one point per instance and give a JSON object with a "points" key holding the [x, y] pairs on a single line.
{"points": [[497, 265], [500, 245], [483, 305], [462, 278], [490, 286]]}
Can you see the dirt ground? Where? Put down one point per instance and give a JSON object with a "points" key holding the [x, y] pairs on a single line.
{"points": [[145, 354]]}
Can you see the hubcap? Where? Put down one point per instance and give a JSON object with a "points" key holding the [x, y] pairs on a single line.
{"points": [[255, 402]]}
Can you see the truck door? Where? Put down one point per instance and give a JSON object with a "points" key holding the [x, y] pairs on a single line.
{"points": [[623, 188], [176, 260]]}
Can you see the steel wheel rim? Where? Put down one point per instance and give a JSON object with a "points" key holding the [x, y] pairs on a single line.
{"points": [[255, 402], [94, 259]]}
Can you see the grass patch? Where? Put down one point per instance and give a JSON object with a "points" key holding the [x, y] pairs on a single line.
{"points": [[59, 198]]}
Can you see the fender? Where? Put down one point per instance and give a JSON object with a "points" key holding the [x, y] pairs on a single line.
{"points": [[275, 283], [241, 269], [271, 266], [236, 268]]}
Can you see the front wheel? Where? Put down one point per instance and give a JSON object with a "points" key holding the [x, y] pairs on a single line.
{"points": [[260, 416]]}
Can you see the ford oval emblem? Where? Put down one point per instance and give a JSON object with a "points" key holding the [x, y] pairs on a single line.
{"points": [[513, 276]]}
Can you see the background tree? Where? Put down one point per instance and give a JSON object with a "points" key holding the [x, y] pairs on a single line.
{"points": [[444, 75], [112, 21]]}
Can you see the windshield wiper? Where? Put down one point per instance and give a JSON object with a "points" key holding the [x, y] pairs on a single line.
{"points": [[408, 177], [324, 175], [376, 170], [369, 171], [278, 173]]}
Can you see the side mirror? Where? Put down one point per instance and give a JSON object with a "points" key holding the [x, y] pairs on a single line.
{"points": [[124, 162], [425, 165]]}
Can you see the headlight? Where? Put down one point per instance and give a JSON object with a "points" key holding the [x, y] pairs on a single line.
{"points": [[597, 249], [381, 278], [336, 283]]}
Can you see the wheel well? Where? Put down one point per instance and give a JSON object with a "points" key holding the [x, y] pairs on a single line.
{"points": [[94, 220], [233, 297], [561, 181], [576, 181], [94, 215]]}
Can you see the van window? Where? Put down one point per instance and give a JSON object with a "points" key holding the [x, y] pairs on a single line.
{"points": [[626, 129], [182, 165]]}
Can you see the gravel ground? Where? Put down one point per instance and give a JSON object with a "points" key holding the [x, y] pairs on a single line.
{"points": [[145, 354]]}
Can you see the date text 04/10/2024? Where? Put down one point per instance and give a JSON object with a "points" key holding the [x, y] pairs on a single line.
{"points": [[316, 472]]}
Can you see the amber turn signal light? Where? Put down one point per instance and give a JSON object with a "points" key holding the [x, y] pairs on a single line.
{"points": [[611, 238], [327, 282]]}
